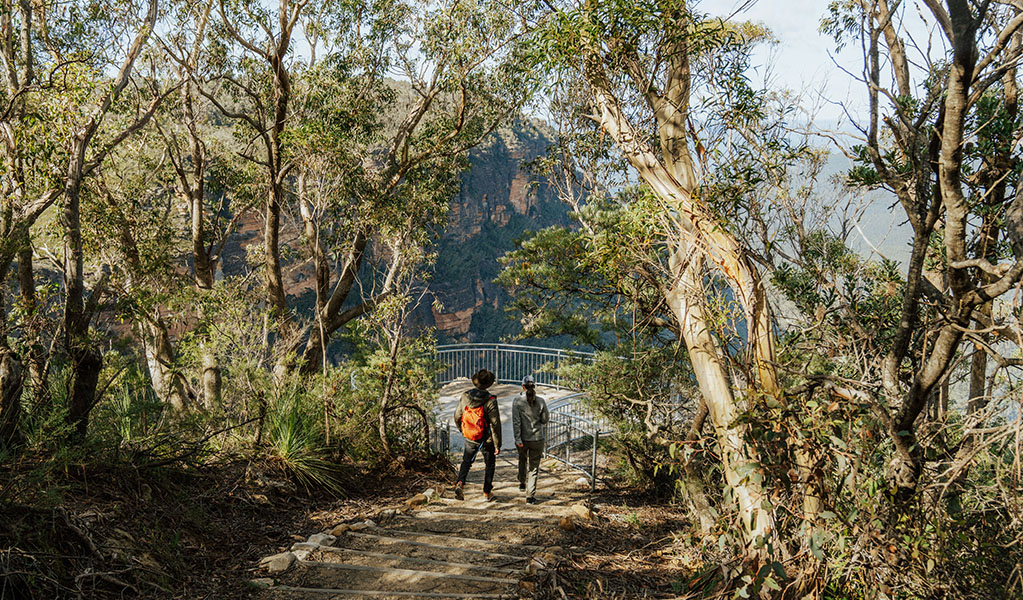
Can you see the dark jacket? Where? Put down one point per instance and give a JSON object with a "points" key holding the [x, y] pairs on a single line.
{"points": [[477, 397]]}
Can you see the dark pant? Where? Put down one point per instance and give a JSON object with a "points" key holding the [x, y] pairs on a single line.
{"points": [[469, 454]]}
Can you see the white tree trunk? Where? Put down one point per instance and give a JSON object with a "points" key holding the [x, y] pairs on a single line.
{"points": [[687, 299], [167, 383]]}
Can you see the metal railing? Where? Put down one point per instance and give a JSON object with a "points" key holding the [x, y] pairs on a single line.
{"points": [[509, 362], [573, 432]]}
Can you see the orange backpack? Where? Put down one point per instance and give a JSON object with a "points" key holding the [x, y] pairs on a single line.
{"points": [[474, 424]]}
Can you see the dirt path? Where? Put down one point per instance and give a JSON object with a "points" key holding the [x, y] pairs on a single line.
{"points": [[434, 546]]}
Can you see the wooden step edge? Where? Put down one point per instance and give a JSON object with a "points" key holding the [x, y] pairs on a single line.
{"points": [[461, 539], [410, 572], [430, 561], [437, 546], [378, 593]]}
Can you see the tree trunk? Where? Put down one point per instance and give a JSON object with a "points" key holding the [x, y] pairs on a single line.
{"points": [[168, 383], [388, 390], [212, 382], [687, 301], [692, 484], [26, 282], [10, 396], [86, 361]]}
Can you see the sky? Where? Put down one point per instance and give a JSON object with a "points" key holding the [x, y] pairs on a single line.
{"points": [[803, 59]]}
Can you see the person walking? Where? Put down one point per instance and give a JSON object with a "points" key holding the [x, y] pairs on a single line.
{"points": [[479, 420], [529, 415]]}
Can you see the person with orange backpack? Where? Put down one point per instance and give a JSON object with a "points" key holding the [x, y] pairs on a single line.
{"points": [[479, 420]]}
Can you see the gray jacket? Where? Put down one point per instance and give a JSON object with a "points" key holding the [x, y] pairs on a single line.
{"points": [[528, 421]]}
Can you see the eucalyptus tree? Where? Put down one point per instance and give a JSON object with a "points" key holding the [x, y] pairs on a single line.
{"points": [[133, 202], [635, 68], [941, 134], [357, 149], [67, 69], [207, 175], [256, 79]]}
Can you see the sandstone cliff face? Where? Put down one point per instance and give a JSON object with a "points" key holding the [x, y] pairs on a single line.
{"points": [[499, 200]]}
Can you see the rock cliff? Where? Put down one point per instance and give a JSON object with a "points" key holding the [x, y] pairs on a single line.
{"points": [[499, 200]]}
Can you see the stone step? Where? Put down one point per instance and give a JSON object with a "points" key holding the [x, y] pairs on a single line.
{"points": [[390, 532], [441, 547], [327, 593], [487, 517], [501, 502], [352, 556], [406, 574], [326, 575], [511, 507]]}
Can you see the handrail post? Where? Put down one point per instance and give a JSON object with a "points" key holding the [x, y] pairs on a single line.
{"points": [[593, 464]]}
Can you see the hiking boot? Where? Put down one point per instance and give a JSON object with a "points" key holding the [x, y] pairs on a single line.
{"points": [[522, 487], [458, 491], [489, 496], [530, 500]]}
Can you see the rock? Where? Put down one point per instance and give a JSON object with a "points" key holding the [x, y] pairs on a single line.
{"points": [[386, 514], [302, 554], [304, 546], [278, 563], [262, 582], [322, 539], [583, 482], [582, 511], [430, 493], [567, 524], [417, 500], [340, 530], [363, 525]]}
